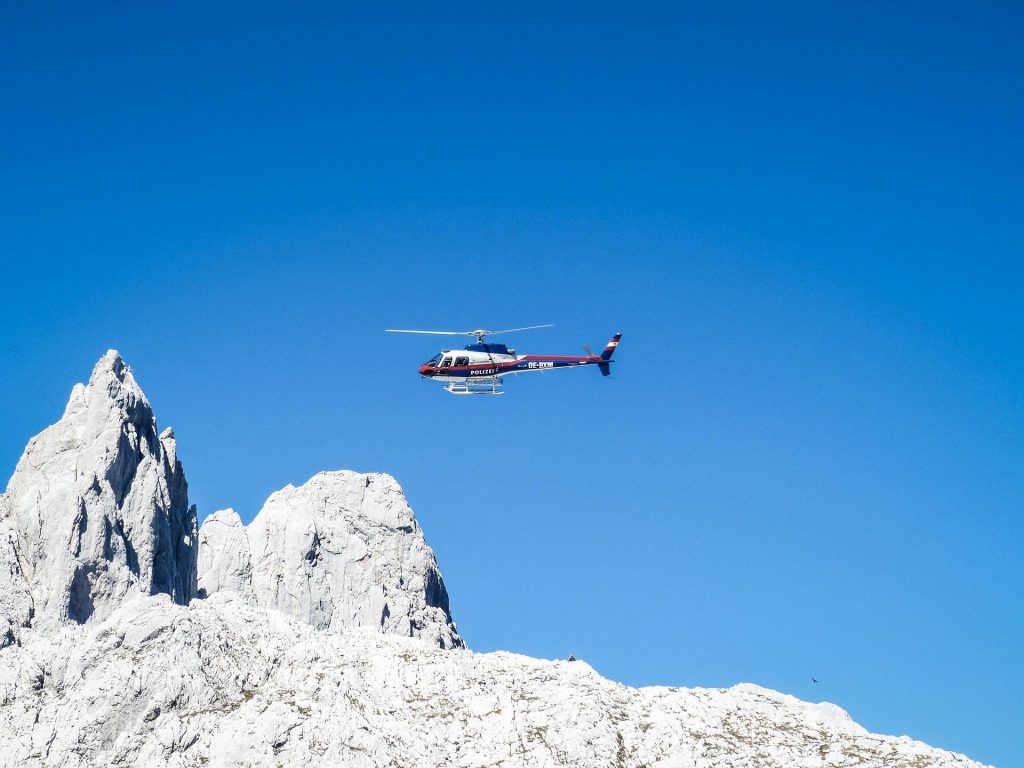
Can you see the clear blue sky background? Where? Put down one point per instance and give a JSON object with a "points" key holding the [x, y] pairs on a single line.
{"points": [[806, 219]]}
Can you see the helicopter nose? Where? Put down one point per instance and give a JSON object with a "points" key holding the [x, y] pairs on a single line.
{"points": [[424, 370]]}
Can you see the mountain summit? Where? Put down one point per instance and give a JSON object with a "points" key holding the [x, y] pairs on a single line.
{"points": [[319, 634], [97, 508], [342, 550]]}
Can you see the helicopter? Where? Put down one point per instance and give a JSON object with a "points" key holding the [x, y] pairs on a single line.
{"points": [[478, 369]]}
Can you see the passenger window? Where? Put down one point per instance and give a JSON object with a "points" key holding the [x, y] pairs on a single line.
{"points": [[461, 361]]}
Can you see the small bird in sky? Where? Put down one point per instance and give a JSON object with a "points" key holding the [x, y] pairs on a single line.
{"points": [[813, 680]]}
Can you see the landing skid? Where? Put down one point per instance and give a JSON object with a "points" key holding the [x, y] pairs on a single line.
{"points": [[475, 387]]}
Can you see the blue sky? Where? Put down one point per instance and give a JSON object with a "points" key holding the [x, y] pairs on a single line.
{"points": [[805, 219]]}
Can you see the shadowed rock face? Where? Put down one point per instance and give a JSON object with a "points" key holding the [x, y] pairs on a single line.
{"points": [[342, 550], [97, 508]]}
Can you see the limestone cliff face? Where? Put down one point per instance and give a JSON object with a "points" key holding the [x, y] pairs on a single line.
{"points": [[342, 550], [16, 607], [97, 509]]}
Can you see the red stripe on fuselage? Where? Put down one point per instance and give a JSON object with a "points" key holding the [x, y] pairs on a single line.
{"points": [[512, 364], [552, 359]]}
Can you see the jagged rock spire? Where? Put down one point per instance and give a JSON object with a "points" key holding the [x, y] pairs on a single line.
{"points": [[341, 550], [97, 508]]}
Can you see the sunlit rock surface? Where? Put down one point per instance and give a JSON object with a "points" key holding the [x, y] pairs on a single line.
{"points": [[224, 560], [226, 683], [342, 550], [98, 505], [320, 634]]}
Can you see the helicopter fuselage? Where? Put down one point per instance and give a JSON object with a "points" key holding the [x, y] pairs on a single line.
{"points": [[489, 361]]}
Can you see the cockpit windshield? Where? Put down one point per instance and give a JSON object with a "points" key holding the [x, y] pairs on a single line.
{"points": [[434, 360]]}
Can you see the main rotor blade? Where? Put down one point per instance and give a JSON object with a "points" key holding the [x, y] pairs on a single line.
{"points": [[432, 333], [479, 333], [527, 328]]}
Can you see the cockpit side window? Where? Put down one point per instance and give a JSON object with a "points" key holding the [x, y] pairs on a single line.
{"points": [[446, 362], [434, 360]]}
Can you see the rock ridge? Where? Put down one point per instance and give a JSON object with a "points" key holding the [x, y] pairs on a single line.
{"points": [[223, 682]]}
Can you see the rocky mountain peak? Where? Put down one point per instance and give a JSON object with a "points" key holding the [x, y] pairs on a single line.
{"points": [[341, 550], [97, 509], [112, 387]]}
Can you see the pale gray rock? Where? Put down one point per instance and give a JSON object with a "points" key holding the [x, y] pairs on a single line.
{"points": [[16, 607], [342, 550], [224, 561], [98, 505], [225, 683]]}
